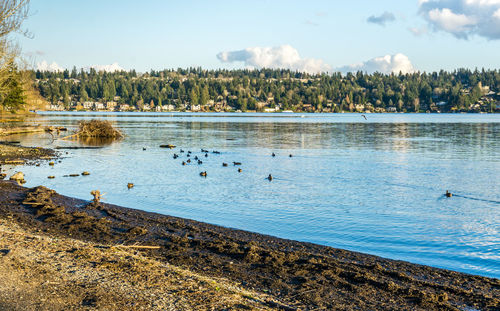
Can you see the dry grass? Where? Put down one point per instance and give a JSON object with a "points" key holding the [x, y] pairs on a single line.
{"points": [[98, 129]]}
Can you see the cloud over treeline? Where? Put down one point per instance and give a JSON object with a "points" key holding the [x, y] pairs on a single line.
{"points": [[54, 67], [45, 66], [108, 68], [287, 57], [284, 56], [385, 64]]}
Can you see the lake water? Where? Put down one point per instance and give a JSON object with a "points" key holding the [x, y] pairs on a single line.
{"points": [[373, 186]]}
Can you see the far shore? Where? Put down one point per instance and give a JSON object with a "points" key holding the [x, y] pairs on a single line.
{"points": [[267, 112]]}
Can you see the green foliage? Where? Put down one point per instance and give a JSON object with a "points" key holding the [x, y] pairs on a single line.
{"points": [[288, 90], [15, 98]]}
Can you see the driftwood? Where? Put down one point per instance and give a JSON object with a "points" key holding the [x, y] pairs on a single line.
{"points": [[15, 162], [21, 130], [69, 136], [139, 246]]}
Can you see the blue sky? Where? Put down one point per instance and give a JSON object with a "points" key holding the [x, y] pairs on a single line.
{"points": [[156, 34]]}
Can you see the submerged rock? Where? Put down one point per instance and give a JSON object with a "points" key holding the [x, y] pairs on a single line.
{"points": [[169, 146]]}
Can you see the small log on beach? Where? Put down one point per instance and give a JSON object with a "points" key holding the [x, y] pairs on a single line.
{"points": [[21, 130]]}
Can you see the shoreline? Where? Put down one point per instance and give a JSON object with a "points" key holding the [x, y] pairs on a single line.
{"points": [[11, 153], [297, 275], [261, 112]]}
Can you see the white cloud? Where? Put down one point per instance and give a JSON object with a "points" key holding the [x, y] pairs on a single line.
{"points": [[456, 24], [45, 66], [381, 19], [463, 18], [284, 56], [497, 14], [385, 64], [108, 68]]}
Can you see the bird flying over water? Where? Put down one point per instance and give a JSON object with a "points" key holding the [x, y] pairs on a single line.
{"points": [[364, 116]]}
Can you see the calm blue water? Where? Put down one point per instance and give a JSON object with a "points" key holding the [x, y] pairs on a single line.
{"points": [[374, 186]]}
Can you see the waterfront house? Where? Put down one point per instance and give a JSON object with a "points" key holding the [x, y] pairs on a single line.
{"points": [[274, 109], [168, 107], [88, 105], [124, 107], [99, 106], [195, 108], [111, 106], [56, 107], [359, 107]]}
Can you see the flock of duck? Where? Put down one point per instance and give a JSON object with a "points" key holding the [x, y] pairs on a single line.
{"points": [[199, 161]]}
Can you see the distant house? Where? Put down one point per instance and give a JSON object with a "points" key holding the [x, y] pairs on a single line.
{"points": [[195, 107], [271, 109], [124, 107], [391, 109], [111, 106], [88, 105], [359, 107], [168, 107], [99, 106], [56, 107]]}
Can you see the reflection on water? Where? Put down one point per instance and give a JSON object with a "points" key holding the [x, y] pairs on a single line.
{"points": [[95, 141], [372, 185]]}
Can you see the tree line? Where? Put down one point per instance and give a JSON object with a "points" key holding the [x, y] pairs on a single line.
{"points": [[255, 90]]}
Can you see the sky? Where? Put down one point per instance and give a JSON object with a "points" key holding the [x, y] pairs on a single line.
{"points": [[312, 36]]}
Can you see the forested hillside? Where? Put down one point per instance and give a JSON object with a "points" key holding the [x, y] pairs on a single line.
{"points": [[196, 89]]}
